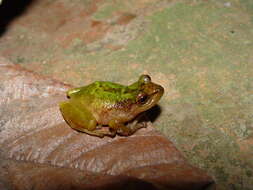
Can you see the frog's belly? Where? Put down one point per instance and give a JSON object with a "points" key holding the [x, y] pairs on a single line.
{"points": [[104, 117]]}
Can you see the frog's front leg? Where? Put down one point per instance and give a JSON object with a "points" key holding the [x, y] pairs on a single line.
{"points": [[131, 127], [121, 128], [115, 125], [80, 119]]}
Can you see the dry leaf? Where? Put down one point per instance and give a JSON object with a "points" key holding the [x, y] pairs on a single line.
{"points": [[40, 151]]}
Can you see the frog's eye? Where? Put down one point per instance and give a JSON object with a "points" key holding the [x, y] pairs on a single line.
{"points": [[145, 79], [142, 98]]}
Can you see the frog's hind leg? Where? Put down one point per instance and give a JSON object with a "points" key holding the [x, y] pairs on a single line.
{"points": [[81, 120]]}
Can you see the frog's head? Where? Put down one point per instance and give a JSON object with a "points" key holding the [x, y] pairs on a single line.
{"points": [[148, 94]]}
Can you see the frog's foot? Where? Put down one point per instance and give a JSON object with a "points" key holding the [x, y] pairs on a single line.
{"points": [[93, 133], [99, 126], [99, 133], [104, 131]]}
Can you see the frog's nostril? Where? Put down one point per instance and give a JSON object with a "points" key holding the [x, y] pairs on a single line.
{"points": [[159, 89]]}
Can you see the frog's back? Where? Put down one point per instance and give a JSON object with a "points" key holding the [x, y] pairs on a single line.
{"points": [[105, 91]]}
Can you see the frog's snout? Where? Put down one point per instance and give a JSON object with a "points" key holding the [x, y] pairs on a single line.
{"points": [[159, 90]]}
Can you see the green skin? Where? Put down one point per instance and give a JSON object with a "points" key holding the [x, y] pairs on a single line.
{"points": [[91, 108]]}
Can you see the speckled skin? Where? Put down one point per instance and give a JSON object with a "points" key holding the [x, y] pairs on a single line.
{"points": [[109, 104]]}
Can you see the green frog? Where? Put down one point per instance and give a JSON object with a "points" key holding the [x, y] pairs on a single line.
{"points": [[92, 108]]}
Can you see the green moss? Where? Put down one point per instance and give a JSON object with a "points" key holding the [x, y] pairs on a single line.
{"points": [[249, 173], [248, 5], [20, 60], [107, 9], [105, 12]]}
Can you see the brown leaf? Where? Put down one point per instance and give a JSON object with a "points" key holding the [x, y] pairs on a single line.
{"points": [[40, 151]]}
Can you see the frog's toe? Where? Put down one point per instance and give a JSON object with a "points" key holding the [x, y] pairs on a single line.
{"points": [[93, 133], [110, 133]]}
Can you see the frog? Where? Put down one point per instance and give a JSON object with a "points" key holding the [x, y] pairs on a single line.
{"points": [[92, 108]]}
